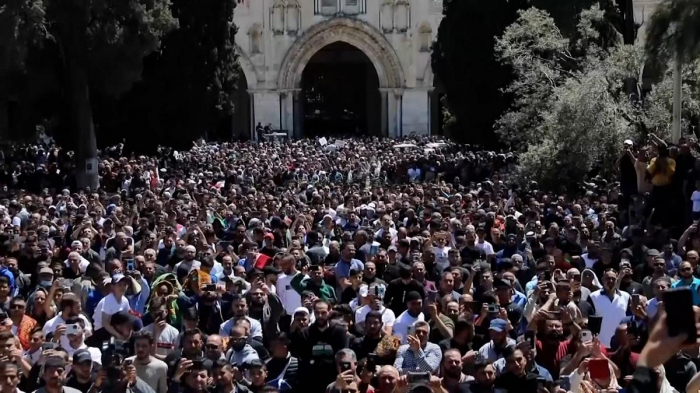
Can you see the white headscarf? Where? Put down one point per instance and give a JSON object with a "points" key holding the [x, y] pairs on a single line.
{"points": [[596, 282]]}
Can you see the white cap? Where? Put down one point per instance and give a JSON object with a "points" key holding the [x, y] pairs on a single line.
{"points": [[628, 142]]}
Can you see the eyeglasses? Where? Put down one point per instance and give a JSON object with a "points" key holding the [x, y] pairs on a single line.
{"points": [[17, 307], [211, 346]]}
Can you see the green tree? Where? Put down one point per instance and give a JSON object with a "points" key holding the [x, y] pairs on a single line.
{"points": [[101, 45], [572, 108], [674, 29]]}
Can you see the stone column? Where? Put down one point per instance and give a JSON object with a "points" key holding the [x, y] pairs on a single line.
{"points": [[383, 99], [416, 114], [287, 112], [266, 107], [398, 98], [298, 114]]}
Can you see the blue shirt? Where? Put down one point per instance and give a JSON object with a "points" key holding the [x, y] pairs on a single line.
{"points": [[342, 268], [139, 302], [7, 273], [694, 285]]}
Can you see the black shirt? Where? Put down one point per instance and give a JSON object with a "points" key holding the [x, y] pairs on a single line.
{"points": [[72, 381], [396, 292], [521, 384]]}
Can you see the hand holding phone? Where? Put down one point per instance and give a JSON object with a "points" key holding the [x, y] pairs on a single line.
{"points": [[679, 309]]}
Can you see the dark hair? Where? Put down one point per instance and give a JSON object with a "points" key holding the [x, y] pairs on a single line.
{"points": [[4, 280], [374, 314], [268, 389], [144, 334], [6, 335], [207, 262], [282, 338], [221, 363], [192, 333], [66, 302], [17, 299]]}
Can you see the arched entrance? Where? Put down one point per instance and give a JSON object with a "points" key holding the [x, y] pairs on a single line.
{"points": [[340, 93], [240, 120], [359, 36]]}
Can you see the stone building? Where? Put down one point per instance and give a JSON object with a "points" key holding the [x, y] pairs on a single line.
{"points": [[337, 66]]}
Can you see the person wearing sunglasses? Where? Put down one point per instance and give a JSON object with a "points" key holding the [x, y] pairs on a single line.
{"points": [[22, 325]]}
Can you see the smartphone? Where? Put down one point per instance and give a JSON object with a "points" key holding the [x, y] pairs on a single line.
{"points": [[586, 336], [541, 384], [565, 382], [548, 275], [594, 323], [48, 346], [635, 300], [130, 265], [73, 328], [411, 331], [372, 362], [599, 369], [210, 288], [431, 296], [345, 366], [679, 309], [530, 338], [415, 377], [197, 364], [494, 308]]}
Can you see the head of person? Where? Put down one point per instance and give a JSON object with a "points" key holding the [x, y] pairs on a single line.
{"points": [[70, 306], [563, 291], [238, 338], [452, 364], [222, 374], [609, 279], [82, 364], [192, 343], [4, 287], [9, 377], [120, 284], [190, 253], [485, 374], [447, 282], [418, 271], [197, 379], [36, 339], [498, 331], [214, 347], [414, 304], [143, 341], [685, 270], [370, 270], [345, 359], [279, 346], [257, 297], [387, 377], [422, 332], [54, 372], [240, 306], [515, 360], [302, 317], [322, 312], [661, 285], [347, 251], [123, 323], [373, 324], [256, 373], [18, 307]]}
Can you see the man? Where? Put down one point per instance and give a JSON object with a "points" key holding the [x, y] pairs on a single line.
{"points": [[516, 378], [685, 272], [398, 290], [375, 295], [314, 282], [240, 310], [282, 368], [370, 275], [9, 377], [189, 262], [554, 347], [626, 283], [612, 304], [418, 354], [165, 335], [76, 339], [54, 377], [387, 376], [485, 377], [493, 350], [224, 380], [151, 370], [315, 345], [192, 348], [363, 346], [81, 376], [214, 348], [345, 265], [413, 314], [346, 367], [659, 272], [22, 281], [241, 352], [22, 324], [70, 308], [451, 371], [290, 298], [265, 307]]}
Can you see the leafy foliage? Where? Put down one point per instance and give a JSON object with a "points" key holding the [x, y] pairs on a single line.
{"points": [[674, 29], [573, 103]]}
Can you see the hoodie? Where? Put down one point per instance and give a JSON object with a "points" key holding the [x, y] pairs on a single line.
{"points": [[245, 355]]}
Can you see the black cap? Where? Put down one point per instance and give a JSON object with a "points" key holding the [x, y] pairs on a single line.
{"points": [[413, 295], [82, 356]]}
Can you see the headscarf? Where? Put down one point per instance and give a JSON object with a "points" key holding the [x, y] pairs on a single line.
{"points": [[596, 282]]}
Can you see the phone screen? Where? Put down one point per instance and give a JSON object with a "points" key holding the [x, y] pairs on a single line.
{"points": [[679, 307]]}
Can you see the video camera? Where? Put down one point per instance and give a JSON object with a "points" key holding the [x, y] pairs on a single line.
{"points": [[114, 354]]}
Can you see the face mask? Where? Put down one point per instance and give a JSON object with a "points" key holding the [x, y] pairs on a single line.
{"points": [[238, 346], [45, 283]]}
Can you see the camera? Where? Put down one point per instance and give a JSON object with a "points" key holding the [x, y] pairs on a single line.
{"points": [[114, 353], [417, 377], [494, 308]]}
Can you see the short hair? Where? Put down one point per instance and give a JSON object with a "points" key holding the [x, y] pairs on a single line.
{"points": [[207, 262], [666, 280], [4, 280], [66, 301], [345, 352], [374, 314], [282, 338], [192, 333], [17, 299], [144, 334], [4, 366], [221, 363], [422, 324], [4, 336]]}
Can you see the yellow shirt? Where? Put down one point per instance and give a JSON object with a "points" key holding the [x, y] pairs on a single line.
{"points": [[662, 178]]}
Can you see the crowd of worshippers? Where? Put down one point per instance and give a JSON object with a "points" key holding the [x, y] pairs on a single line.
{"points": [[348, 266]]}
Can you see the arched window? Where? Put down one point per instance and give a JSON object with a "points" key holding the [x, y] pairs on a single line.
{"points": [[425, 34]]}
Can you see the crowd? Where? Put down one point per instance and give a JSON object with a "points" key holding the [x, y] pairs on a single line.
{"points": [[344, 266]]}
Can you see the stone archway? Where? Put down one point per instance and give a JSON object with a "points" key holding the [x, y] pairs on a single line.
{"points": [[351, 31]]}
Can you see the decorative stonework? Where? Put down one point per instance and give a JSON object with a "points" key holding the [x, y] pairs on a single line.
{"points": [[425, 35], [292, 20], [255, 34], [277, 17], [402, 16], [386, 16], [352, 31]]}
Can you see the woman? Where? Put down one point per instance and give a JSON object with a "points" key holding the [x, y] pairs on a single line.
{"points": [[590, 281]]}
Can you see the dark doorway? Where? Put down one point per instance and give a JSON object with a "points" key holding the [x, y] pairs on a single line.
{"points": [[340, 93]]}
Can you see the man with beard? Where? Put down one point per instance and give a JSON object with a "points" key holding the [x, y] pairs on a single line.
{"points": [[189, 262], [531, 366], [685, 271], [555, 347], [282, 368], [418, 354], [626, 283], [70, 308], [241, 352], [192, 348], [224, 380], [265, 307], [55, 376], [314, 282], [373, 335], [315, 346], [516, 378], [370, 274], [398, 290], [485, 377], [151, 370], [612, 304], [453, 379], [493, 350], [240, 310], [413, 314], [81, 376], [191, 377], [214, 348]]}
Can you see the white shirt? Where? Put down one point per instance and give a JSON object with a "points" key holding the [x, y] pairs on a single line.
{"points": [[403, 322], [255, 327], [612, 311], [53, 323], [486, 247], [109, 305], [167, 342], [95, 353], [441, 257], [388, 316], [589, 262], [291, 300]]}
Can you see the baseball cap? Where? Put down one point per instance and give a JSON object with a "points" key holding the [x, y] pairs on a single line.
{"points": [[653, 252], [117, 277], [82, 356], [498, 325], [55, 361], [413, 295], [46, 270], [269, 236]]}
